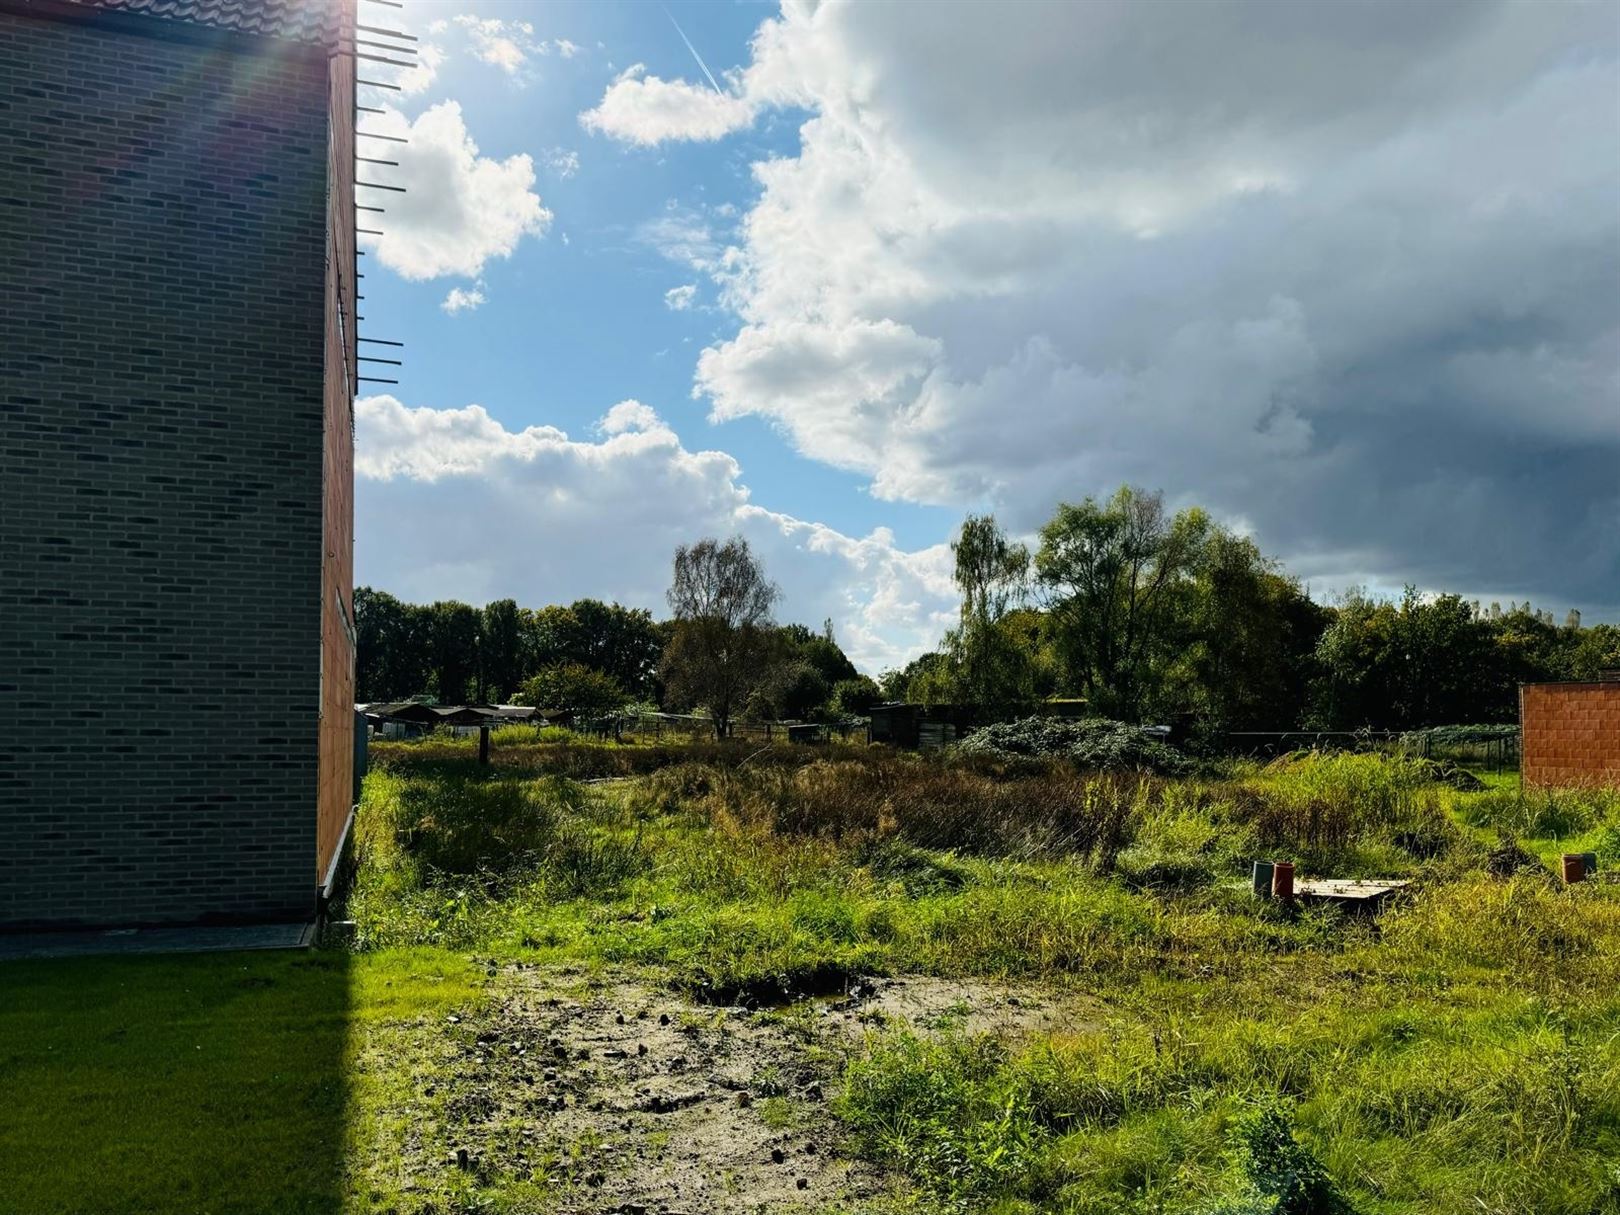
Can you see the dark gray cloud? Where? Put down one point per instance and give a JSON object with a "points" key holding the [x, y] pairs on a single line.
{"points": [[1345, 273]]}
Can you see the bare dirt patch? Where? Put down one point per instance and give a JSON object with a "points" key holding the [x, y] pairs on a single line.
{"points": [[622, 1097], [974, 1006], [616, 1095]]}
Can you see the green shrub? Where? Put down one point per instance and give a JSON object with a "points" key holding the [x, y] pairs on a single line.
{"points": [[1091, 743], [1281, 1169]]}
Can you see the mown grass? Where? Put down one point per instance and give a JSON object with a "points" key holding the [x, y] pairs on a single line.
{"points": [[217, 1083], [1458, 1054]]}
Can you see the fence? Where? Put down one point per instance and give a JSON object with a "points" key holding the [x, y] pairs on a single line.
{"points": [[681, 727], [1498, 752]]}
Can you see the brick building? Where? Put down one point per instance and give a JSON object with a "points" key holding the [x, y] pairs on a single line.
{"points": [[177, 354], [1570, 733]]}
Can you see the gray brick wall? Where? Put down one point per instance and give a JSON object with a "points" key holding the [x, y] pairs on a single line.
{"points": [[162, 235]]}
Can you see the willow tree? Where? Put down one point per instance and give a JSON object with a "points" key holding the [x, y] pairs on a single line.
{"points": [[1112, 573]]}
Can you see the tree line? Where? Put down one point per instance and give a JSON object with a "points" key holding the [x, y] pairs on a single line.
{"points": [[1145, 615], [596, 657], [1152, 616]]}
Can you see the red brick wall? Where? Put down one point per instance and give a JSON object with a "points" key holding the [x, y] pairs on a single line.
{"points": [[1571, 733], [336, 781]]}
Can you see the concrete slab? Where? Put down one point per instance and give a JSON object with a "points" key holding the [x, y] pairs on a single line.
{"points": [[114, 941]]}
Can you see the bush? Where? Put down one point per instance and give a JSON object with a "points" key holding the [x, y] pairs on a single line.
{"points": [[1094, 743], [1281, 1170], [573, 685], [1456, 735], [854, 697]]}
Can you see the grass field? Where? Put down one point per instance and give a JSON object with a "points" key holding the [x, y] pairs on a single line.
{"points": [[741, 980]]}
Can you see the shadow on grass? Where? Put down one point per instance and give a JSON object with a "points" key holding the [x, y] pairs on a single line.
{"points": [[212, 1082]]}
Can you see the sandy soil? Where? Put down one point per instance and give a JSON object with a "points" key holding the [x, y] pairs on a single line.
{"points": [[642, 1103]]}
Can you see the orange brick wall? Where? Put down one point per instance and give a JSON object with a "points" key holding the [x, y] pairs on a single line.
{"points": [[335, 796], [1571, 733]]}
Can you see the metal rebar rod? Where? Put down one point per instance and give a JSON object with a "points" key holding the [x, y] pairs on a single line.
{"points": [[377, 29], [386, 46], [368, 109], [369, 231], [371, 379], [372, 160], [380, 59], [382, 341], [372, 185], [389, 138], [366, 358], [363, 207], [380, 84]]}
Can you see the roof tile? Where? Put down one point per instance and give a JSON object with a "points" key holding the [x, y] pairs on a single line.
{"points": [[311, 21]]}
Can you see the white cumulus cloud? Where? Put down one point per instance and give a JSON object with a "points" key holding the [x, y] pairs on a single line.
{"points": [[679, 299], [460, 209], [646, 110], [455, 505], [418, 79], [502, 44], [463, 299]]}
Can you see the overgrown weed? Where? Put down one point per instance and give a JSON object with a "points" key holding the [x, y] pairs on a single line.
{"points": [[1457, 1054]]}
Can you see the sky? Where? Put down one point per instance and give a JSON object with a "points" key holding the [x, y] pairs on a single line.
{"points": [[831, 276]]}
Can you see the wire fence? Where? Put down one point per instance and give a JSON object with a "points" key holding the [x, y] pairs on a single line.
{"points": [[1499, 753], [682, 727]]}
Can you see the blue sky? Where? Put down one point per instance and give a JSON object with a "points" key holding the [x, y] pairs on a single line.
{"points": [[569, 329], [1343, 275]]}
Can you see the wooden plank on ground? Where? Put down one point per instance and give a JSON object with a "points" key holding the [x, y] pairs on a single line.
{"points": [[1348, 891]]}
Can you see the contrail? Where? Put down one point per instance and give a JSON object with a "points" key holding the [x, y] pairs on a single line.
{"points": [[693, 49]]}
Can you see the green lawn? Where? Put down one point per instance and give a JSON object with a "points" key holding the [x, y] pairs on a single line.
{"points": [[205, 1083]]}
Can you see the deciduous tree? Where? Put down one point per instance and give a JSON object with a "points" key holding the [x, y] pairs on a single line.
{"points": [[724, 643], [1110, 571], [988, 666]]}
